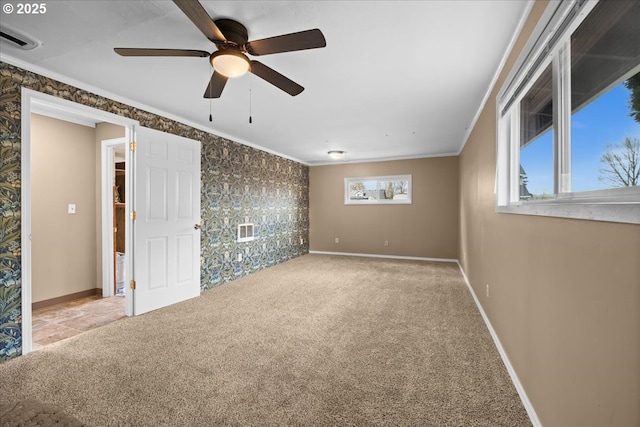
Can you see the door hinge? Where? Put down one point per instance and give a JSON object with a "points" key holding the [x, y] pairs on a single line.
{"points": [[132, 285], [133, 146], [133, 215]]}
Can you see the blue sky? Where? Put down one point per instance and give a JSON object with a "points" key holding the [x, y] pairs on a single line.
{"points": [[605, 121]]}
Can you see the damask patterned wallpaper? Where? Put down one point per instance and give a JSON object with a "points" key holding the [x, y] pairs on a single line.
{"points": [[239, 184]]}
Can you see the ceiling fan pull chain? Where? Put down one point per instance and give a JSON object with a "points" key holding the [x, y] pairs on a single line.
{"points": [[250, 119], [210, 116]]}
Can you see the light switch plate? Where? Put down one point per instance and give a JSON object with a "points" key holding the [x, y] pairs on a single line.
{"points": [[72, 208]]}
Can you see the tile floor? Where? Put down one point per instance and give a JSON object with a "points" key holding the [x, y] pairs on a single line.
{"points": [[60, 321]]}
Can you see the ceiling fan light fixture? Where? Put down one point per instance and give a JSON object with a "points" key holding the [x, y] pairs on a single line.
{"points": [[230, 63], [336, 154]]}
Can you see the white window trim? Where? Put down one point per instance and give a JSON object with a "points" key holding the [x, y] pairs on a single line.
{"points": [[407, 201], [546, 46]]}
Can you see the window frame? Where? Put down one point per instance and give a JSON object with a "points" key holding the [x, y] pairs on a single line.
{"points": [[550, 44], [378, 179]]}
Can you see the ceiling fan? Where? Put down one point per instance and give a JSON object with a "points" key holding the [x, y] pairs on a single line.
{"points": [[231, 39]]}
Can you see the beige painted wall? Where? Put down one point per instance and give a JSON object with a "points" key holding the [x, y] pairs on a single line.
{"points": [[564, 294], [426, 228], [62, 172], [103, 131]]}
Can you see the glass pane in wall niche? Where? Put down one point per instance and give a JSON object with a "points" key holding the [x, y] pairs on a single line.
{"points": [[536, 140], [363, 190], [605, 98]]}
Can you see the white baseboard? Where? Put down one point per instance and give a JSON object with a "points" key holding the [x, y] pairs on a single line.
{"points": [[415, 258], [505, 359]]}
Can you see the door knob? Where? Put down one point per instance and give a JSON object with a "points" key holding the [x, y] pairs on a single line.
{"points": [[197, 227]]}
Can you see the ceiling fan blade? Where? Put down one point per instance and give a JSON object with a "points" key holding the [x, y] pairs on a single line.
{"points": [[309, 39], [216, 85], [196, 13], [275, 78], [125, 51]]}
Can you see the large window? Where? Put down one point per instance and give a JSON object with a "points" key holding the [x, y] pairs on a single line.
{"points": [[569, 116], [395, 189]]}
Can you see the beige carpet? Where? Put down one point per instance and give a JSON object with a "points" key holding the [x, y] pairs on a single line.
{"points": [[318, 340]]}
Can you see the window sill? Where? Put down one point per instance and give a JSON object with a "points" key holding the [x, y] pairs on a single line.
{"points": [[378, 202], [623, 212]]}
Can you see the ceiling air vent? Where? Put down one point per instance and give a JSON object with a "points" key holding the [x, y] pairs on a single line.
{"points": [[17, 39]]}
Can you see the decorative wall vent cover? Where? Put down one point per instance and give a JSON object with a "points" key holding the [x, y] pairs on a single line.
{"points": [[245, 232]]}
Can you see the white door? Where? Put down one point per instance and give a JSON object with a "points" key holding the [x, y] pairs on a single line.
{"points": [[166, 201]]}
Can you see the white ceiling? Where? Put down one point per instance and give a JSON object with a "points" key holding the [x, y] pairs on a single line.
{"points": [[398, 79]]}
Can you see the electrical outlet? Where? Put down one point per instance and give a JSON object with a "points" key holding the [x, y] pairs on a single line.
{"points": [[487, 290], [240, 257], [386, 243], [337, 240]]}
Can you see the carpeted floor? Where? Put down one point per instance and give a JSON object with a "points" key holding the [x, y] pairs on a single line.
{"points": [[318, 340]]}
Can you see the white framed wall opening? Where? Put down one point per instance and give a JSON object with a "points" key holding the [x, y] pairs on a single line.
{"points": [[569, 116]]}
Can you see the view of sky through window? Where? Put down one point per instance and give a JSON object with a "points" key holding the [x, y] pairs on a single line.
{"points": [[603, 122]]}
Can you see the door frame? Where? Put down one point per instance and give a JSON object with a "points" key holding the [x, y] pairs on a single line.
{"points": [[107, 177], [37, 102]]}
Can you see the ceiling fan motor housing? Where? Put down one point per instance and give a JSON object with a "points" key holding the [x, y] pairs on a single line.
{"points": [[234, 32]]}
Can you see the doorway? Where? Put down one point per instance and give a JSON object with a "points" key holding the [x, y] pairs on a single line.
{"points": [[67, 266], [162, 196], [51, 107]]}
